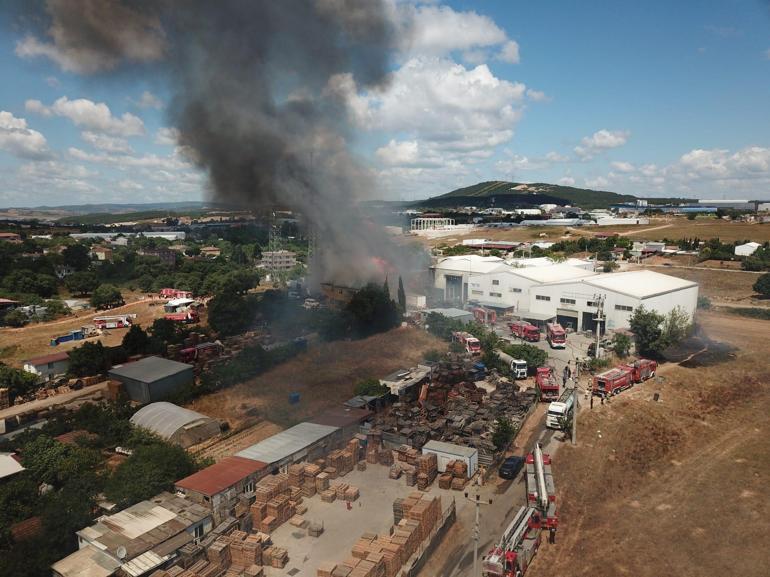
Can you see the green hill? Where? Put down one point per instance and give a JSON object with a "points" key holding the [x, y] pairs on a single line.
{"points": [[512, 194]]}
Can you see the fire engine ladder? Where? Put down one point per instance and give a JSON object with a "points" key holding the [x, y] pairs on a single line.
{"points": [[514, 534], [542, 490]]}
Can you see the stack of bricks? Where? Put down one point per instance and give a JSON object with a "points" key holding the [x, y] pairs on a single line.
{"points": [[245, 550], [296, 472], [342, 460], [218, 553]]}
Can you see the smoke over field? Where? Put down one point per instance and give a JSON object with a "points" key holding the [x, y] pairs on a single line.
{"points": [[258, 97]]}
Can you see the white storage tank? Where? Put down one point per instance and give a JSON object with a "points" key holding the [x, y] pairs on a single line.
{"points": [[446, 452]]}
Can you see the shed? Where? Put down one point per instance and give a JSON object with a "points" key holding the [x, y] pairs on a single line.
{"points": [[747, 249], [152, 378], [48, 366], [176, 424], [446, 452], [305, 441]]}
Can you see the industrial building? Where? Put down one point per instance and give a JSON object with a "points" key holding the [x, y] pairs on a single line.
{"points": [[562, 292], [220, 487], [48, 366], [152, 378], [137, 540], [176, 424], [460, 315], [446, 452], [302, 442]]}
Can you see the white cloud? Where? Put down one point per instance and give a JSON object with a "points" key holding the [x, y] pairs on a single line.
{"points": [[537, 95], [509, 52], [90, 115], [597, 183], [556, 157], [622, 166], [129, 185], [124, 162], [167, 136], [20, 140], [107, 143], [148, 100], [567, 181], [600, 141], [407, 153], [37, 177]]}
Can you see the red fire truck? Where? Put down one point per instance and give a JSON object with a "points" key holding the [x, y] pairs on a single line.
{"points": [[642, 370], [114, 322], [525, 330], [484, 315], [188, 317], [172, 293], [555, 335], [547, 383], [613, 381], [541, 490], [513, 554], [472, 344]]}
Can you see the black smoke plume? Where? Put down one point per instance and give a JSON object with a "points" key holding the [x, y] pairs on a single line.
{"points": [[255, 98]]}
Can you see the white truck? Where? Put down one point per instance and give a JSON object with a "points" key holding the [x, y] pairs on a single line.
{"points": [[518, 366], [559, 409]]}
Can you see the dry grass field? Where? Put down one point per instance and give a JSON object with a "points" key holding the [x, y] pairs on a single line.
{"points": [[725, 286], [679, 486], [323, 376]]}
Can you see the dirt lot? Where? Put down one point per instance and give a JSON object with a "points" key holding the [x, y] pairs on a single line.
{"points": [[324, 376], [679, 486], [720, 285], [35, 338]]}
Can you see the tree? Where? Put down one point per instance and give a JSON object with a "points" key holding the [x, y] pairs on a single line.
{"points": [[762, 286], [504, 432], [621, 344], [534, 356], [150, 470], [81, 282], [18, 382], [372, 311], [106, 296], [15, 318], [676, 327], [229, 313], [164, 329], [89, 359], [401, 295], [370, 387], [646, 328], [135, 340], [77, 256]]}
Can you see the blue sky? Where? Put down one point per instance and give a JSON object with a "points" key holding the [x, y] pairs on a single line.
{"points": [[654, 99]]}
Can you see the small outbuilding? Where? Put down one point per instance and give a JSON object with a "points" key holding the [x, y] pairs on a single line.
{"points": [[152, 378], [48, 366], [446, 452], [747, 249], [176, 424]]}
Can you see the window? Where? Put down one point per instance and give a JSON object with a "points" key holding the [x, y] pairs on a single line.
{"points": [[198, 531], [542, 298], [498, 295], [250, 487], [590, 304], [496, 282], [567, 301], [50, 365], [479, 293], [475, 285], [513, 289], [623, 308]]}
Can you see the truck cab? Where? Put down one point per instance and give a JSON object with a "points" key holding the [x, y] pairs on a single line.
{"points": [[519, 368], [557, 410]]}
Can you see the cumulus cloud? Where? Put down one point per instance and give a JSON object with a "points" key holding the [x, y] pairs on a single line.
{"points": [[167, 136], [90, 115], [18, 139], [148, 100], [66, 177], [600, 141], [567, 181], [130, 185], [107, 143], [509, 52], [537, 95], [622, 166], [126, 161]]}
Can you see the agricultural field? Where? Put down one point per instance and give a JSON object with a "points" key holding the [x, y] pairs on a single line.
{"points": [[720, 286], [324, 376], [689, 473]]}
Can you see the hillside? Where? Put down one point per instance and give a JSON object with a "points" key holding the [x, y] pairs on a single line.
{"points": [[512, 194]]}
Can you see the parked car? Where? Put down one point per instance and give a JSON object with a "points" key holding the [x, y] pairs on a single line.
{"points": [[511, 467]]}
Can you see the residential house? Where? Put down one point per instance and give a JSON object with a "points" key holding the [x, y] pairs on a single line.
{"points": [[48, 366]]}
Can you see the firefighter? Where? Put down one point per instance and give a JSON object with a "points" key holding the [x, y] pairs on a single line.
{"points": [[552, 535], [592, 401]]}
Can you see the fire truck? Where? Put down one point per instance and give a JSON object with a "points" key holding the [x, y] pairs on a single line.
{"points": [[188, 317], [541, 490], [484, 315], [642, 370], [114, 322], [513, 554], [472, 344], [555, 335], [547, 383], [525, 330], [613, 381], [172, 293]]}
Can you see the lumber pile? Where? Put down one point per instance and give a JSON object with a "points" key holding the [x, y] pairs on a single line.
{"points": [[275, 557], [273, 504], [384, 555]]}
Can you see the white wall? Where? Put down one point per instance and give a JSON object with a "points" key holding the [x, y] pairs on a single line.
{"points": [[47, 371]]}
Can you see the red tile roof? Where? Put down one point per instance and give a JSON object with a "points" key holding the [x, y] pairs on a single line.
{"points": [[27, 529], [221, 476], [45, 359]]}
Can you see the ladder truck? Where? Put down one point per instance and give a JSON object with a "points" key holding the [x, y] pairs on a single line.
{"points": [[541, 490], [114, 321], [513, 554]]}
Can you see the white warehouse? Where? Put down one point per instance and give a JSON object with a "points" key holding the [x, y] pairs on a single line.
{"points": [[561, 291]]}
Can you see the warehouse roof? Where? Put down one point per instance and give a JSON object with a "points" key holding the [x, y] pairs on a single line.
{"points": [[553, 274], [287, 443], [9, 465], [221, 476], [451, 313], [45, 359], [449, 449], [471, 263], [165, 419], [86, 562], [342, 416], [149, 369], [640, 283]]}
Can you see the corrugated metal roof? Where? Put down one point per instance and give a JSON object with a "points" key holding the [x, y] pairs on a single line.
{"points": [[449, 449], [640, 283], [149, 369], [45, 359], [553, 273], [287, 443], [86, 562], [165, 419], [220, 476]]}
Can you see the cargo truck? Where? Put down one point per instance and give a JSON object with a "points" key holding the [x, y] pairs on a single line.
{"points": [[525, 331], [560, 409], [518, 367]]}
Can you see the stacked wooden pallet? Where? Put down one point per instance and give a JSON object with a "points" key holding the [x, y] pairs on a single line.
{"points": [[273, 504], [245, 550], [275, 557], [219, 552]]}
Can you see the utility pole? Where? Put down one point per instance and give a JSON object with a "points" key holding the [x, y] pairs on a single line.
{"points": [[574, 412], [476, 534], [599, 318]]}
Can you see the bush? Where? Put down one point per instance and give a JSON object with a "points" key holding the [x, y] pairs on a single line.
{"points": [[433, 355], [106, 297], [762, 286], [621, 344], [15, 318], [370, 387], [504, 433], [704, 302], [89, 359], [81, 282]]}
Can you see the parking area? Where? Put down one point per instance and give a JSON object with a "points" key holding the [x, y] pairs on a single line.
{"points": [[371, 513]]}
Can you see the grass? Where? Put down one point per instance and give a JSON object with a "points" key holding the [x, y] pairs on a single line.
{"points": [[751, 312]]}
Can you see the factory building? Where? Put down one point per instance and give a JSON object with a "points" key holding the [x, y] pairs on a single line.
{"points": [[568, 294], [302, 442], [176, 424], [152, 378]]}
